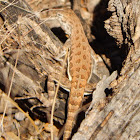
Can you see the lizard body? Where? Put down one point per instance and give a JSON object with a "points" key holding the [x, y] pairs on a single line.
{"points": [[79, 64]]}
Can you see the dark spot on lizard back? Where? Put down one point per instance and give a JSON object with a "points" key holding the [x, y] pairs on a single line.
{"points": [[78, 45], [80, 85], [72, 101], [77, 76], [70, 22], [84, 57], [78, 53], [82, 77], [77, 38], [83, 40], [78, 94], [84, 67], [84, 47], [77, 31], [77, 69], [78, 61]]}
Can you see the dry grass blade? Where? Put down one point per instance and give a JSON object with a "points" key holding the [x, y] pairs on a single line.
{"points": [[57, 88], [12, 3], [7, 97], [16, 105], [10, 85]]}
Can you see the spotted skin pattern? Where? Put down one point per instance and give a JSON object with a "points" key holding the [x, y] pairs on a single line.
{"points": [[79, 64]]}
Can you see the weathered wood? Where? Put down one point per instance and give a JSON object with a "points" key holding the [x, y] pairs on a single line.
{"points": [[22, 29], [122, 113], [33, 62]]}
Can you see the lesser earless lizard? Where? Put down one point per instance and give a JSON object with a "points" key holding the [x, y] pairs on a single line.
{"points": [[80, 63]]}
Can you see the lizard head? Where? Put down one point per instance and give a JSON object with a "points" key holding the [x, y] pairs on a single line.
{"points": [[63, 16]]}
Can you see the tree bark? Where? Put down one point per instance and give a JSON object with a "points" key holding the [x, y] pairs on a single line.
{"points": [[120, 117]]}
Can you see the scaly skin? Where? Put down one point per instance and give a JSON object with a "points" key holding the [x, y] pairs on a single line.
{"points": [[79, 64]]}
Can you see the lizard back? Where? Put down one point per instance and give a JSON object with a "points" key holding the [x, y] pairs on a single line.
{"points": [[79, 64]]}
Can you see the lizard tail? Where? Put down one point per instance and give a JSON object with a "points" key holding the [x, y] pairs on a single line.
{"points": [[74, 103]]}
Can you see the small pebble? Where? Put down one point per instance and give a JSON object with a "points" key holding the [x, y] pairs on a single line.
{"points": [[19, 116]]}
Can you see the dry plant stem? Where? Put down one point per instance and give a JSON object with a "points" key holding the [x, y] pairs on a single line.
{"points": [[8, 96], [12, 3], [10, 84], [17, 127], [16, 105], [57, 88], [7, 35], [8, 5]]}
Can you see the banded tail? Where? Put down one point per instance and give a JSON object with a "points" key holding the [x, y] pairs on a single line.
{"points": [[74, 103]]}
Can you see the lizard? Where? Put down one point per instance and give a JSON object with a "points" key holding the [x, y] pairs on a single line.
{"points": [[80, 63]]}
